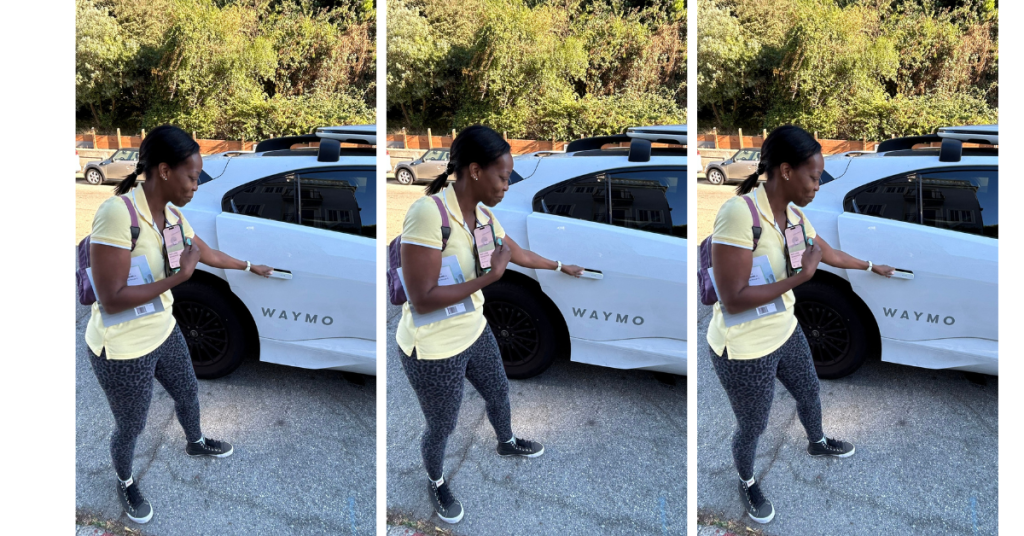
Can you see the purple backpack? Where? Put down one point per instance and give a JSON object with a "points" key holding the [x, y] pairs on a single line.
{"points": [[86, 294], [396, 293], [704, 285]]}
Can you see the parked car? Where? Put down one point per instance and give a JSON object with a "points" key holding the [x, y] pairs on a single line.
{"points": [[118, 166], [309, 213], [735, 168], [933, 214], [426, 167], [620, 213]]}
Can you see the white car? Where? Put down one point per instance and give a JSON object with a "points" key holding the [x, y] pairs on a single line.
{"points": [[634, 315], [933, 214], [311, 215]]}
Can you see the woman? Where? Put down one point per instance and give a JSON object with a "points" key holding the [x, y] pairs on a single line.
{"points": [[748, 356], [127, 355], [437, 355]]}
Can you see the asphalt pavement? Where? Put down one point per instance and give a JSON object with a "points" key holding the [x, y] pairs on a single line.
{"points": [[304, 459], [926, 459], [614, 460]]}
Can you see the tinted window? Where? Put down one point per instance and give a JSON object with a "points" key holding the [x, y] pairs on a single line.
{"points": [[893, 199], [825, 178], [582, 198], [514, 178], [339, 200], [962, 200], [652, 200]]}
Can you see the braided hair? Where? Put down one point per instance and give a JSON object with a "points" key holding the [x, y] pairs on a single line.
{"points": [[165, 144], [788, 144], [474, 145]]}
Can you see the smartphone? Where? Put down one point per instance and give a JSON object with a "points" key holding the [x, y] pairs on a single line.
{"points": [[485, 245], [174, 245], [796, 243]]}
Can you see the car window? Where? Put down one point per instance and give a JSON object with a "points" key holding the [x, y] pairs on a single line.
{"points": [[652, 200], [123, 155], [581, 198], [961, 200], [435, 155], [894, 198], [514, 178], [342, 200], [745, 154], [339, 200]]}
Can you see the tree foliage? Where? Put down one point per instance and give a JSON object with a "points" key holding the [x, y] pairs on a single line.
{"points": [[536, 68], [225, 68], [850, 68]]}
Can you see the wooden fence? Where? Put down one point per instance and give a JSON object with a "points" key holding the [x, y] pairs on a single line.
{"points": [[429, 141], [117, 141], [736, 142]]}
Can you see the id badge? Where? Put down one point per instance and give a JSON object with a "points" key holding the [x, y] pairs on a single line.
{"points": [[796, 245], [174, 245], [485, 246]]}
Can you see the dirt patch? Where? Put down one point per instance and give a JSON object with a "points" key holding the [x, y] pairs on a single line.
{"points": [[400, 198], [112, 527], [88, 198], [709, 199]]}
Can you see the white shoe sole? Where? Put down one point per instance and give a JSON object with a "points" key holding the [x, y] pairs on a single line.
{"points": [[847, 455], [452, 520], [223, 455], [763, 520], [534, 455], [141, 520]]}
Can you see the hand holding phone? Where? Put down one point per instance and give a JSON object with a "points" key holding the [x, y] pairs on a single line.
{"points": [[174, 245], [796, 244], [485, 245]]}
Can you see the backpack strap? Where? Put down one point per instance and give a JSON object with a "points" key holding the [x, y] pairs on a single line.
{"points": [[446, 228], [799, 213], [756, 227], [135, 219]]}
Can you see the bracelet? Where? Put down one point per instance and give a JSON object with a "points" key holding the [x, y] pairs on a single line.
{"points": [[248, 266], [870, 266], [559, 267]]}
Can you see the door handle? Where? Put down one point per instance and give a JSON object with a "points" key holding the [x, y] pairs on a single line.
{"points": [[592, 274], [900, 273], [281, 274]]}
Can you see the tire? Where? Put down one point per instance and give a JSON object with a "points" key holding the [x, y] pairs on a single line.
{"points": [[93, 176], [214, 328], [715, 176], [524, 327], [404, 176], [834, 327]]}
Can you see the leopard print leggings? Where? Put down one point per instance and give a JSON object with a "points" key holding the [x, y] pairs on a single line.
{"points": [[128, 384], [439, 384], [750, 385]]}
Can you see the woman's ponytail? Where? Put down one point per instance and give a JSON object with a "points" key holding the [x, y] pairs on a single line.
{"points": [[128, 182], [474, 145], [441, 180], [165, 144], [788, 144]]}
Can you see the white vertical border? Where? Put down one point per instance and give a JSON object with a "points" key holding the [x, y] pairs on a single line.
{"points": [[691, 263], [1010, 339], [381, 310]]}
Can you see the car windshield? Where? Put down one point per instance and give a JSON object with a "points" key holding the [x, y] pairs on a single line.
{"points": [[123, 155], [435, 155]]}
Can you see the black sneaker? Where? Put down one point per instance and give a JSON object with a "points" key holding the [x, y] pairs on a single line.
{"points": [[136, 507], [448, 508], [758, 508], [831, 447], [209, 447], [520, 447]]}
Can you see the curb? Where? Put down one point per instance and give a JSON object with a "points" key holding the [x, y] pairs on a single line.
{"points": [[705, 530], [83, 530], [395, 531]]}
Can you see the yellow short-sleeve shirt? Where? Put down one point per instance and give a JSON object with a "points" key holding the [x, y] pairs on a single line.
{"points": [[422, 227], [112, 227], [733, 227]]}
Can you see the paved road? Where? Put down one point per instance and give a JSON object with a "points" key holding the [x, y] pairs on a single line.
{"points": [[614, 460], [304, 460], [926, 460]]}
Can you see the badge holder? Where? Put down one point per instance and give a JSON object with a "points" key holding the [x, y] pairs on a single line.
{"points": [[484, 244], [796, 243], [175, 242]]}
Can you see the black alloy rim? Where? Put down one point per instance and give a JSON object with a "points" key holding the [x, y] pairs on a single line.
{"points": [[515, 331], [826, 332], [204, 331]]}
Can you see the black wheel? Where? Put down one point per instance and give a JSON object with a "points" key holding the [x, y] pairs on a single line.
{"points": [[524, 328], [715, 176], [834, 329], [93, 176], [213, 328], [404, 176]]}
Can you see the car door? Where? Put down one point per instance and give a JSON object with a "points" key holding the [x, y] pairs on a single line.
{"points": [[434, 163], [942, 225], [319, 225], [122, 163], [743, 164], [639, 246]]}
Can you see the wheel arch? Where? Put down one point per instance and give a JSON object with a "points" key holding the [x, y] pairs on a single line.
{"points": [[828, 278], [523, 280], [201, 277], [407, 168]]}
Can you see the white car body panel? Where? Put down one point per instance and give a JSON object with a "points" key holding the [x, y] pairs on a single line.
{"points": [[644, 272], [947, 316], [333, 274]]}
